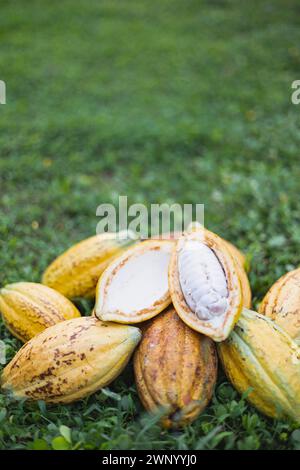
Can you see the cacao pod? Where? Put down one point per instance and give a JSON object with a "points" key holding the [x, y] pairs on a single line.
{"points": [[204, 284], [75, 273], [28, 308], [134, 287], [261, 358], [282, 303], [70, 360], [175, 369]]}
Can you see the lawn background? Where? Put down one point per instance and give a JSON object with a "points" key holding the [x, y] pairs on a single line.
{"points": [[162, 101]]}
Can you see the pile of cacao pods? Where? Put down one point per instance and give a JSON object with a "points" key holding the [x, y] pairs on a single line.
{"points": [[177, 304]]}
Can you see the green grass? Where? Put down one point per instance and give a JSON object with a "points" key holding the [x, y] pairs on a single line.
{"points": [[163, 101]]}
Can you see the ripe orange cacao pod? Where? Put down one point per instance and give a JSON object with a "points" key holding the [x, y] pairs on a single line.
{"points": [[175, 369]]}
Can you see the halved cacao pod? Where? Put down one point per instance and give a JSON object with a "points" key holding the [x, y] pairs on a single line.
{"points": [[175, 369], [262, 358], [75, 273], [237, 255], [134, 287], [282, 303], [28, 308], [204, 284], [70, 360]]}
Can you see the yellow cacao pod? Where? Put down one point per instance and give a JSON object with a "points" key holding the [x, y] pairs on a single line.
{"points": [[70, 360], [261, 358], [75, 273], [175, 369], [28, 308], [237, 255], [282, 303]]}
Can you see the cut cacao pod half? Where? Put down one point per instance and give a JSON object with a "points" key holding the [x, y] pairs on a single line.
{"points": [[204, 284], [282, 304], [242, 264], [262, 360], [134, 287]]}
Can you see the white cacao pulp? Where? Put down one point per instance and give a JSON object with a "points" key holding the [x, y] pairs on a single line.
{"points": [[140, 282], [134, 287], [202, 280]]}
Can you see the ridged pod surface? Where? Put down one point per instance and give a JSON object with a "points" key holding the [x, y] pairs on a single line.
{"points": [[261, 357], [282, 303], [75, 273], [28, 308], [175, 369], [70, 360], [204, 284], [134, 287]]}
